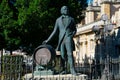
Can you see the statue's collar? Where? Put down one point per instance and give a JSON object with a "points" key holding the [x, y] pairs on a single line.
{"points": [[65, 16]]}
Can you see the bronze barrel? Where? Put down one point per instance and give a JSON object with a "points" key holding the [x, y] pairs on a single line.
{"points": [[44, 54]]}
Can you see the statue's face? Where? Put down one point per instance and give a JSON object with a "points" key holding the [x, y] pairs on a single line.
{"points": [[64, 10]]}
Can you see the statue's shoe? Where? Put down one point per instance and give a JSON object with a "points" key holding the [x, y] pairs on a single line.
{"points": [[63, 72], [74, 73]]}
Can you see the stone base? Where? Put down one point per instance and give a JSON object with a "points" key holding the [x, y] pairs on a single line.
{"points": [[43, 72], [57, 77]]}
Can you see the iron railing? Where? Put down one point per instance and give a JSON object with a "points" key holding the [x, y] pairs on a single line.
{"points": [[18, 68]]}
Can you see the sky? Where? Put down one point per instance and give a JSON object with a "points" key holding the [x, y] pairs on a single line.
{"points": [[89, 1]]}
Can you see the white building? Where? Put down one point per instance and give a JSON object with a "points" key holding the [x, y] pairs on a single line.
{"points": [[85, 37]]}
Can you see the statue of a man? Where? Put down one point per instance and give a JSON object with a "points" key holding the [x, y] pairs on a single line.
{"points": [[66, 28]]}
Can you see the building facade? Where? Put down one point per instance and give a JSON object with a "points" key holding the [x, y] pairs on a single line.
{"points": [[85, 38]]}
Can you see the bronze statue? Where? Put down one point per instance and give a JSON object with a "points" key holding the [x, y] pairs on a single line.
{"points": [[66, 28]]}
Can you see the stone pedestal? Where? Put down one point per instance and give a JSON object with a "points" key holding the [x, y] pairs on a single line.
{"points": [[43, 72], [40, 71], [57, 77]]}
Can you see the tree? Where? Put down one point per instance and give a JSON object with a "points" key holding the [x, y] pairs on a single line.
{"points": [[8, 25], [27, 23]]}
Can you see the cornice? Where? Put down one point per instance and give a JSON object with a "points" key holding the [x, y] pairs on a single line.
{"points": [[88, 27], [110, 2], [93, 8]]}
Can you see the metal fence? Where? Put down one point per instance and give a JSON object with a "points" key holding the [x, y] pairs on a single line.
{"points": [[20, 68]]}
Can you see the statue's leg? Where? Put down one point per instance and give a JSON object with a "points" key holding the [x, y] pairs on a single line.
{"points": [[71, 62], [62, 51], [70, 58], [63, 59]]}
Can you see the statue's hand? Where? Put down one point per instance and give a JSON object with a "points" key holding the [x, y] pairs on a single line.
{"points": [[44, 42]]}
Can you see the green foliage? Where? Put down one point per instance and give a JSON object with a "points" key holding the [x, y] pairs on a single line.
{"points": [[28, 23], [8, 24]]}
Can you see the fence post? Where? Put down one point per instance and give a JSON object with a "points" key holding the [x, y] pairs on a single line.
{"points": [[0, 62], [32, 67], [119, 65], [0, 65]]}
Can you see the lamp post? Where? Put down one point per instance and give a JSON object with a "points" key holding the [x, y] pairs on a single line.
{"points": [[103, 35]]}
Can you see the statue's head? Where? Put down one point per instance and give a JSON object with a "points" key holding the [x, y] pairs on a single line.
{"points": [[64, 10]]}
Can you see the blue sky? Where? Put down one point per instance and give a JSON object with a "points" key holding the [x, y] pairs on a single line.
{"points": [[89, 1]]}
